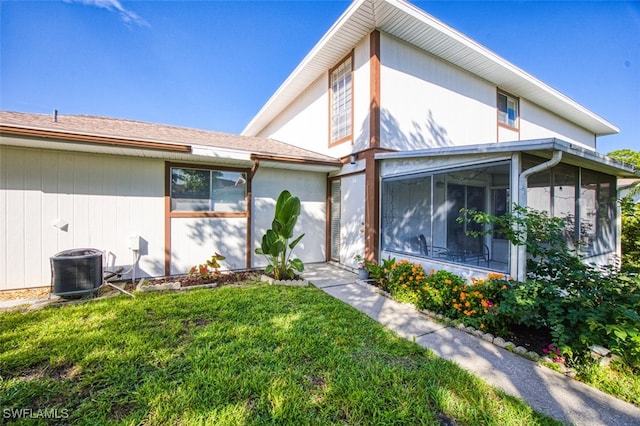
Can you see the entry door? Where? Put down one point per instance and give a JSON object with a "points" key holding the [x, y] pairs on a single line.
{"points": [[335, 220]]}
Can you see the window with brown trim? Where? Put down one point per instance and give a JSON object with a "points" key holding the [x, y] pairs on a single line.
{"points": [[508, 114], [205, 190], [341, 101]]}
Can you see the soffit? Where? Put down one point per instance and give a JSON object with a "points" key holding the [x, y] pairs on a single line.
{"points": [[406, 22]]}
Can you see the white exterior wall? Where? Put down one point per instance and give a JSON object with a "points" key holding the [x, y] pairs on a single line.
{"points": [[305, 122], [352, 216], [104, 199], [538, 123], [427, 103], [311, 188], [195, 240]]}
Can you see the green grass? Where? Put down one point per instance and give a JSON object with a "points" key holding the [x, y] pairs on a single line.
{"points": [[234, 356]]}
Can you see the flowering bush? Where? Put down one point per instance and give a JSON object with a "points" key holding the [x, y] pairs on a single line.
{"points": [[406, 281], [553, 353], [439, 290], [380, 273]]}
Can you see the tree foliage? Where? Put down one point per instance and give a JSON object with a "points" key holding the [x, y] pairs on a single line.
{"points": [[630, 211]]}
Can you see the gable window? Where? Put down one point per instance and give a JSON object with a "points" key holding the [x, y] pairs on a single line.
{"points": [[507, 110], [340, 88], [202, 190]]}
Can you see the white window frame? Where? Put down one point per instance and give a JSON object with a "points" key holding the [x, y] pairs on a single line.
{"points": [[504, 118]]}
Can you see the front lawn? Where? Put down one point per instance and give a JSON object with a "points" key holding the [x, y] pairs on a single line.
{"points": [[236, 355]]}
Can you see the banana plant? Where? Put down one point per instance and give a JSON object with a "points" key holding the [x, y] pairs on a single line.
{"points": [[276, 247]]}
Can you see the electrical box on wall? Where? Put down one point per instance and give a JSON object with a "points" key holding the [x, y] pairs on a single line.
{"points": [[134, 242]]}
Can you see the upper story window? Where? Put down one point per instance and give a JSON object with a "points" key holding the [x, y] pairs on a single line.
{"points": [[508, 110], [200, 190], [340, 97]]}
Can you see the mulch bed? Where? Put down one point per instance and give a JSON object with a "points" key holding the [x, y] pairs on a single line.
{"points": [[534, 339], [225, 278]]}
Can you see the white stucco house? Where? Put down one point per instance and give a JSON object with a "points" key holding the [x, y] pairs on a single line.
{"points": [[390, 125], [426, 122]]}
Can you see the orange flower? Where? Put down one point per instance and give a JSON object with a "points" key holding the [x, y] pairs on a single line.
{"points": [[447, 281], [404, 286], [463, 295], [504, 287], [433, 271], [467, 304]]}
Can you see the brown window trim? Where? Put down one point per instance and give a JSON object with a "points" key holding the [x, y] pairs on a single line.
{"points": [[168, 214], [331, 70], [503, 125]]}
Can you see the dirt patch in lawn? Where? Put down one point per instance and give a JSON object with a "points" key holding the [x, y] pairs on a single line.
{"points": [[31, 293]]}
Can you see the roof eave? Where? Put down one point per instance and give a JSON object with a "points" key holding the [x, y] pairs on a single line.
{"points": [[86, 138], [574, 153], [476, 59]]}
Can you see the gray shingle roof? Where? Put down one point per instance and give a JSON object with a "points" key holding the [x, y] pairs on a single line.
{"points": [[107, 127]]}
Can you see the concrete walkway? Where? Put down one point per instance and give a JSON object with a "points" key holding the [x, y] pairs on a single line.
{"points": [[545, 390]]}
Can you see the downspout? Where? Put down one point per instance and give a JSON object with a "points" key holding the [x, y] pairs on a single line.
{"points": [[250, 175], [522, 200]]}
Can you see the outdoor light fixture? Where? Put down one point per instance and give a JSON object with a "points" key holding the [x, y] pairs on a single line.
{"points": [[352, 159]]}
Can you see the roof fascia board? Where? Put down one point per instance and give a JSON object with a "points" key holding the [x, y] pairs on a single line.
{"points": [[85, 138], [536, 145]]}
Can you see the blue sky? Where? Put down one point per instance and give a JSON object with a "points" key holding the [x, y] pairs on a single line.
{"points": [[212, 65]]}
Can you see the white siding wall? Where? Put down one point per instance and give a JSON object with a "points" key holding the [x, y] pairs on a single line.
{"points": [[537, 123], [352, 218], [311, 188], [305, 122], [104, 200], [194, 240], [428, 103]]}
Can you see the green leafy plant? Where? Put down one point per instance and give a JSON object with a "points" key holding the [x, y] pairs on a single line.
{"points": [[630, 239], [359, 259], [276, 247], [208, 269], [380, 272], [580, 304]]}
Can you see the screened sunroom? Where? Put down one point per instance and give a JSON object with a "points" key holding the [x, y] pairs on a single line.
{"points": [[424, 196]]}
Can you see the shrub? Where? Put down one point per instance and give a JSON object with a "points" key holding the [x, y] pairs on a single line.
{"points": [[406, 281], [439, 291]]}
